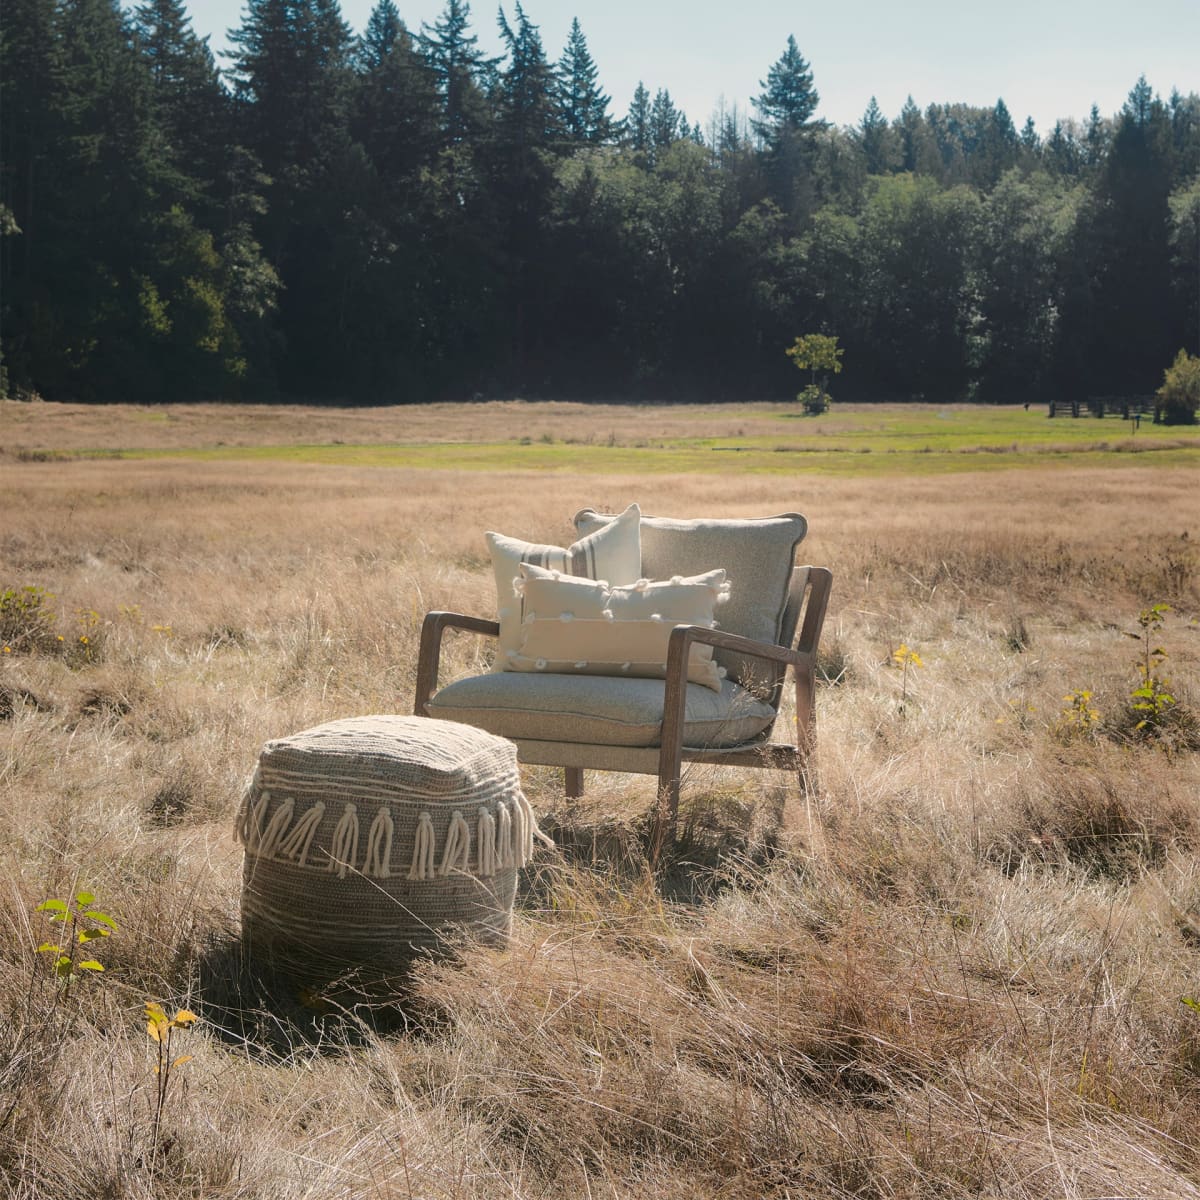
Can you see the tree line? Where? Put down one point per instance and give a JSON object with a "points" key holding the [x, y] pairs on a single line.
{"points": [[395, 216]]}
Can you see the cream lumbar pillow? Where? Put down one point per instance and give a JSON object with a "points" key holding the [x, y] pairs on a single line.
{"points": [[612, 553], [583, 626]]}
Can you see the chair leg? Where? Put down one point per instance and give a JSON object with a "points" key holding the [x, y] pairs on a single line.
{"points": [[666, 816], [573, 779]]}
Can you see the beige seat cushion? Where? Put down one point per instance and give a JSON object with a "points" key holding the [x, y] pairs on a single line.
{"points": [[612, 552], [583, 626], [756, 553], [599, 709]]}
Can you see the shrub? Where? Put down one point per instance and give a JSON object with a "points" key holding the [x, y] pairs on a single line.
{"points": [[27, 621], [1179, 396], [814, 400]]}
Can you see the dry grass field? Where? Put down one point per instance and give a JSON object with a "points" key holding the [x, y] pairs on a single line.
{"points": [[968, 967]]}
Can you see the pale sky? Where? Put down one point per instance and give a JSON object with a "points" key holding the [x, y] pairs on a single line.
{"points": [[1046, 58]]}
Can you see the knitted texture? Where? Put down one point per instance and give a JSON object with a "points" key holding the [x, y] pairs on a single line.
{"points": [[372, 839]]}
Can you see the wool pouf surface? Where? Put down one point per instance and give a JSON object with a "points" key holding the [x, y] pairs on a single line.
{"points": [[373, 839]]}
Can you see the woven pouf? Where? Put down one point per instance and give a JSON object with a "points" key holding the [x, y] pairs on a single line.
{"points": [[369, 840]]}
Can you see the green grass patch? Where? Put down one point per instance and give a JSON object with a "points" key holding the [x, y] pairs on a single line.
{"points": [[856, 442], [726, 458]]}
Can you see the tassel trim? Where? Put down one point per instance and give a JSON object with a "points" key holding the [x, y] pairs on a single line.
{"points": [[379, 845], [344, 850], [423, 849], [499, 838]]}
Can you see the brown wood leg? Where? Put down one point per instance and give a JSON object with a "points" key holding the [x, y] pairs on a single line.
{"points": [[573, 779], [666, 817]]}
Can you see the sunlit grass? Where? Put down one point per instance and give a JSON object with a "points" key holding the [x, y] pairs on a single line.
{"points": [[965, 966], [850, 442]]}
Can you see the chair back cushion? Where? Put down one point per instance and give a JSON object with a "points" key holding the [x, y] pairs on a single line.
{"points": [[757, 555]]}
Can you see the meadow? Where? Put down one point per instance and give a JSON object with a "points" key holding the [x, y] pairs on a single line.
{"points": [[967, 966]]}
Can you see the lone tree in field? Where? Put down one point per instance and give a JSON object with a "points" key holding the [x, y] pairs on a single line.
{"points": [[816, 352], [1179, 396]]}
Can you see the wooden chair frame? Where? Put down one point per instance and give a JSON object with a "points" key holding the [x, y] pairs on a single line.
{"points": [[808, 594]]}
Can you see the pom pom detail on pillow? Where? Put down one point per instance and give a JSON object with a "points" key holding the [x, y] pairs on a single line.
{"points": [[584, 626], [613, 553]]}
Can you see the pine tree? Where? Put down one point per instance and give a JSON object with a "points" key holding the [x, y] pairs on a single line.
{"points": [[1062, 154], [1096, 139], [395, 111], [379, 39], [521, 169], [526, 114], [788, 101], [291, 76], [461, 71], [637, 124], [582, 106], [191, 105], [878, 141], [785, 126], [31, 146], [667, 123], [996, 147], [1029, 136]]}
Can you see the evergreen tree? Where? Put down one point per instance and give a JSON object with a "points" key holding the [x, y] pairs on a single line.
{"points": [[997, 147], [785, 126], [1096, 139], [637, 124], [582, 106], [31, 147], [788, 101], [1062, 152], [395, 110], [525, 93], [1135, 320], [918, 150], [461, 71], [667, 123], [877, 140], [191, 106], [521, 180], [291, 74], [379, 38]]}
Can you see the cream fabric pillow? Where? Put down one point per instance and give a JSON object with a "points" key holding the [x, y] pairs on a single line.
{"points": [[612, 553], [758, 553], [586, 627]]}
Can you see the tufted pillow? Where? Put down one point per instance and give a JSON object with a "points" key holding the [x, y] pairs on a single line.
{"points": [[613, 553], [584, 626], [758, 553]]}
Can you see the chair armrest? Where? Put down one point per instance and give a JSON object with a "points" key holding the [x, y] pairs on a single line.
{"points": [[430, 653], [685, 635], [820, 583]]}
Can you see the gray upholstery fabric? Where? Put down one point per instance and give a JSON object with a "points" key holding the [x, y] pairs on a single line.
{"points": [[757, 554], [598, 709]]}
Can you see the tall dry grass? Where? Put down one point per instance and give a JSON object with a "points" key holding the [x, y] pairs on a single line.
{"points": [[956, 971]]}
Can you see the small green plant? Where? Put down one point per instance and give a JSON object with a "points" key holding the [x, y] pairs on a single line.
{"points": [[88, 640], [1080, 717], [161, 1030], [84, 925], [814, 400], [27, 621], [1151, 702], [905, 659]]}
